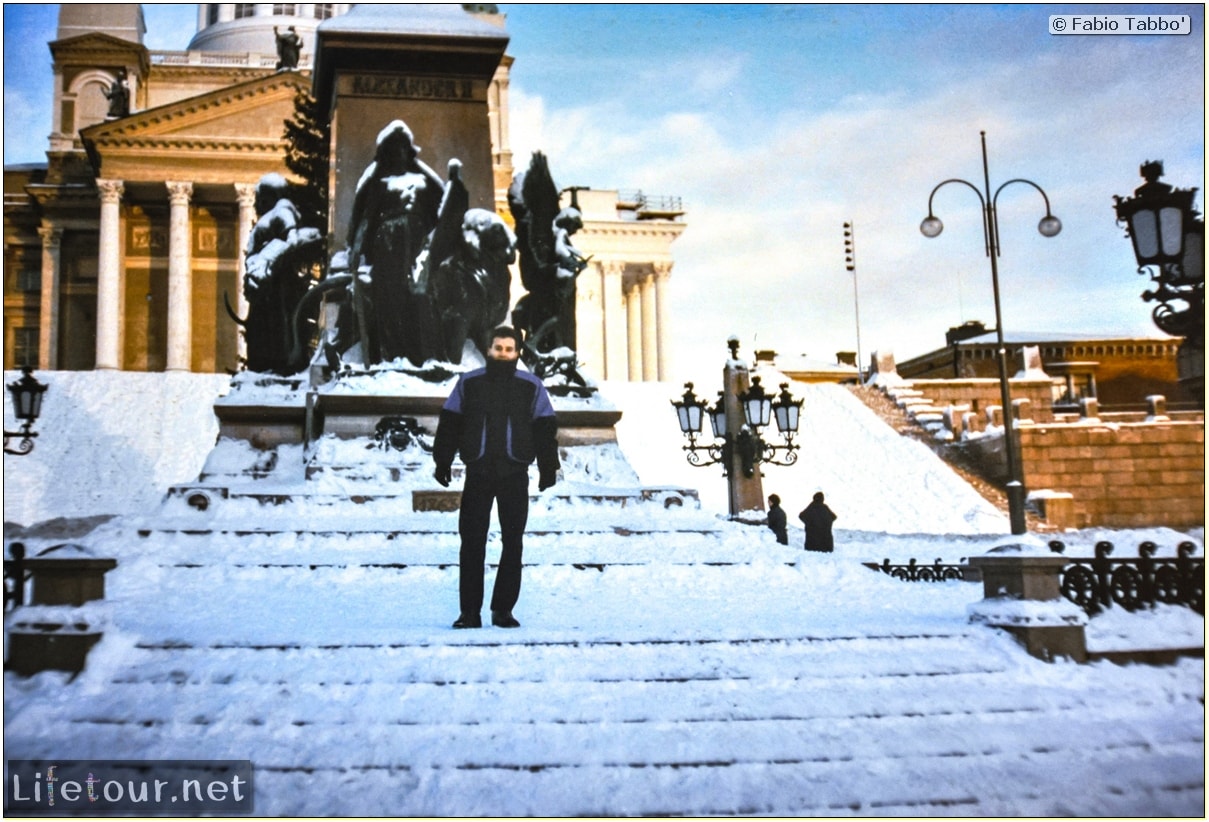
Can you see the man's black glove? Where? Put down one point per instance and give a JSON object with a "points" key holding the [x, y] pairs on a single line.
{"points": [[443, 475], [546, 479]]}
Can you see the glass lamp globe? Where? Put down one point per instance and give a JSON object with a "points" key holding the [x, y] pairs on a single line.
{"points": [[1049, 226], [931, 226]]}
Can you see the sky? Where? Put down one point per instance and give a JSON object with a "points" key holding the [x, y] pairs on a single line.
{"points": [[776, 124], [670, 662]]}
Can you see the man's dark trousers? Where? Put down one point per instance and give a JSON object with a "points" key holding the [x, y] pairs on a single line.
{"points": [[510, 491]]}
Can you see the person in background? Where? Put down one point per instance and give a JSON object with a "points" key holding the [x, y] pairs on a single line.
{"points": [[777, 521], [501, 420], [817, 518]]}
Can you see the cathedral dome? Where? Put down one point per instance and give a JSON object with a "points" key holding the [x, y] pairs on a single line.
{"points": [[248, 27]]}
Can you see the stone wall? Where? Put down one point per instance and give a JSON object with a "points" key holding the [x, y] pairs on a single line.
{"points": [[979, 394], [1120, 476]]}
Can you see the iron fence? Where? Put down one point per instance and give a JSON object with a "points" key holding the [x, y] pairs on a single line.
{"points": [[1134, 583]]}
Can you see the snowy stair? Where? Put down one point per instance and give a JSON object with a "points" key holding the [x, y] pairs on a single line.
{"points": [[346, 686]]}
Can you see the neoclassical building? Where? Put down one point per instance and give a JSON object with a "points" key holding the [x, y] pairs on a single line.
{"points": [[121, 251]]}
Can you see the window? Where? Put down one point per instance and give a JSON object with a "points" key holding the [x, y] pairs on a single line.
{"points": [[244, 10], [29, 280], [285, 9], [323, 11], [211, 14], [25, 347]]}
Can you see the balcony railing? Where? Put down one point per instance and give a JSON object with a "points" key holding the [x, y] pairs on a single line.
{"points": [[653, 205]]}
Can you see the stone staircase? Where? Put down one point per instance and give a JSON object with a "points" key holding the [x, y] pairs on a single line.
{"points": [[658, 672]]}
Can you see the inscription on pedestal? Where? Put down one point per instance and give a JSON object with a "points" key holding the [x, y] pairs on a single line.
{"points": [[436, 500], [412, 87]]}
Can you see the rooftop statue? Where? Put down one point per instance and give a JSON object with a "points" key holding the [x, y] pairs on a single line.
{"points": [[289, 48], [118, 95]]}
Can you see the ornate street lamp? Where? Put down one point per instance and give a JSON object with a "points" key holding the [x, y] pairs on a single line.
{"points": [[1049, 226], [27, 405], [1156, 218], [1169, 245], [759, 410]]}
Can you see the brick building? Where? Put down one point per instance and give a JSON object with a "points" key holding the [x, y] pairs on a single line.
{"points": [[1118, 371]]}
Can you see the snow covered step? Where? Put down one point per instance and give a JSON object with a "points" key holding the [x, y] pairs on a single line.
{"points": [[877, 787], [508, 658], [945, 761]]}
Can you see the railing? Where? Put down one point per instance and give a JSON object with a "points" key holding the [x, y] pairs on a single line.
{"points": [[1099, 583], [936, 572], [651, 203], [1134, 584], [227, 59]]}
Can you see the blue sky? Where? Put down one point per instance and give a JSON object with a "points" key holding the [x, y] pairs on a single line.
{"points": [[776, 124]]}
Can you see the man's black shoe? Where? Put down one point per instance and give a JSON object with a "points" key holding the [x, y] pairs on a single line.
{"points": [[504, 619], [468, 621]]}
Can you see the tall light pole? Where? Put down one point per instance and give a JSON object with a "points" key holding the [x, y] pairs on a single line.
{"points": [[1048, 227], [850, 262]]}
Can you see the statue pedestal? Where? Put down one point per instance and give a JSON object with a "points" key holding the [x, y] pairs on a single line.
{"points": [[367, 438]]}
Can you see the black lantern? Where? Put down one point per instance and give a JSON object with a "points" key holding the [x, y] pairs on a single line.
{"points": [[717, 417], [1157, 218], [787, 411], [757, 405], [27, 406], [689, 411], [1169, 245]]}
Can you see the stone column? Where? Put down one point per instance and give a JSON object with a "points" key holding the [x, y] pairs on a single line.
{"points": [[180, 285], [746, 493], [109, 277], [650, 354], [613, 303], [663, 272], [245, 195], [633, 312], [48, 308]]}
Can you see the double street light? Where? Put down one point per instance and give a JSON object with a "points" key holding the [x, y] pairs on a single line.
{"points": [[738, 442], [1049, 226]]}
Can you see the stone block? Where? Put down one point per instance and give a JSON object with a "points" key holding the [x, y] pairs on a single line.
{"points": [[45, 647], [1057, 508], [67, 581]]}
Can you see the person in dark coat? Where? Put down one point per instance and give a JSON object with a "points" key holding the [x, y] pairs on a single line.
{"points": [[500, 420], [818, 518], [777, 520]]}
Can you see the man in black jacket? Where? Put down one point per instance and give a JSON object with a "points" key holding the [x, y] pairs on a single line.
{"points": [[500, 419]]}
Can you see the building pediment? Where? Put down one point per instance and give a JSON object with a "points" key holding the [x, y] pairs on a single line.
{"points": [[97, 48], [242, 121]]}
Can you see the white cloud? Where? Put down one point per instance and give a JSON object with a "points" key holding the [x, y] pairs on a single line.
{"points": [[763, 252]]}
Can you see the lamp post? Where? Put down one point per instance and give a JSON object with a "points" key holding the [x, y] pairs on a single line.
{"points": [[1048, 227], [1169, 245], [27, 405], [737, 418], [850, 263]]}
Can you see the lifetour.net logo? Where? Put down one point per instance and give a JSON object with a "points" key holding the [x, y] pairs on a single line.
{"points": [[100, 787]]}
